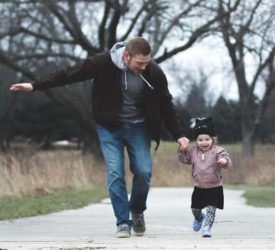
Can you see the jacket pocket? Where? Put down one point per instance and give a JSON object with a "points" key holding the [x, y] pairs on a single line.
{"points": [[215, 176]]}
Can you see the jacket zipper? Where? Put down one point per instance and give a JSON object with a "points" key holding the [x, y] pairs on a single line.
{"points": [[203, 170]]}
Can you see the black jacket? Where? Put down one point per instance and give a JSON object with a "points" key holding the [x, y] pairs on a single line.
{"points": [[107, 96]]}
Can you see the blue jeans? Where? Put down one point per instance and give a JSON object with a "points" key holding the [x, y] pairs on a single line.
{"points": [[138, 144]]}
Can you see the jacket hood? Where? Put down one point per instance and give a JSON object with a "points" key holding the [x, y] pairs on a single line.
{"points": [[116, 53]]}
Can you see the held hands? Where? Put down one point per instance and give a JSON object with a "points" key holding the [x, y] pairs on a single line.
{"points": [[21, 87], [184, 142], [222, 161]]}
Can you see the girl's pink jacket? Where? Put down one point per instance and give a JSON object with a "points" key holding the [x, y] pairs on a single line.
{"points": [[205, 170]]}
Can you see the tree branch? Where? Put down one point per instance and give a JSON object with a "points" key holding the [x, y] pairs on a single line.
{"points": [[113, 24], [195, 35], [6, 60], [19, 30], [133, 23], [261, 67], [175, 21], [101, 30], [244, 28], [81, 38], [46, 55], [72, 27], [238, 66]]}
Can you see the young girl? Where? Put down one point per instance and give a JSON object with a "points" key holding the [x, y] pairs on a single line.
{"points": [[208, 161]]}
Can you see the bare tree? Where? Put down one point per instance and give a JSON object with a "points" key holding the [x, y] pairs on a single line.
{"points": [[35, 34], [195, 94], [248, 35], [6, 102]]}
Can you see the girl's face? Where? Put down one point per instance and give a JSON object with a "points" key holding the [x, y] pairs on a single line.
{"points": [[204, 142]]}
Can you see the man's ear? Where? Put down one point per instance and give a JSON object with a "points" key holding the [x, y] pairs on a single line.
{"points": [[126, 56]]}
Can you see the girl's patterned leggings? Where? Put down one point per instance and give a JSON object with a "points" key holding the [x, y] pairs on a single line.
{"points": [[210, 215]]}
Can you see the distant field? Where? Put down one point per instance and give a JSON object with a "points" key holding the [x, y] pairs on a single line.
{"points": [[256, 170], [29, 171]]}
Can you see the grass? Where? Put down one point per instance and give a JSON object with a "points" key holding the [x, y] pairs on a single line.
{"points": [[12, 208], [257, 196]]}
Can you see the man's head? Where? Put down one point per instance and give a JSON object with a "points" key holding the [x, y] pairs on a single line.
{"points": [[137, 55]]}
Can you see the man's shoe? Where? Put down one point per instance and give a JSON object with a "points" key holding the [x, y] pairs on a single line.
{"points": [[138, 224], [198, 223], [123, 231], [206, 231]]}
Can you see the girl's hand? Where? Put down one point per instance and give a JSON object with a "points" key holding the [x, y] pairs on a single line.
{"points": [[222, 161], [183, 143]]}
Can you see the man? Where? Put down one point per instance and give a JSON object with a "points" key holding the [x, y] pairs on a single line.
{"points": [[130, 99]]}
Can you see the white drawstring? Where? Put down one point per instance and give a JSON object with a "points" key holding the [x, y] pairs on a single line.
{"points": [[126, 84], [149, 85], [125, 80]]}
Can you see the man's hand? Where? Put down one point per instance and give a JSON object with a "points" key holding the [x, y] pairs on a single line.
{"points": [[184, 142], [222, 161], [21, 87]]}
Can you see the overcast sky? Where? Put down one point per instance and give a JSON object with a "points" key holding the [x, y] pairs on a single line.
{"points": [[215, 63]]}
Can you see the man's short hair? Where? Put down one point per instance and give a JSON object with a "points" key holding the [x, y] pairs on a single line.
{"points": [[138, 46]]}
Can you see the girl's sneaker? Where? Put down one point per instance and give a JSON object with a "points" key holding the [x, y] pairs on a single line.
{"points": [[198, 223], [206, 231]]}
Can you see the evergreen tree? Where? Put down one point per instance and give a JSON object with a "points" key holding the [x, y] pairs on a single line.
{"points": [[195, 103], [226, 116]]}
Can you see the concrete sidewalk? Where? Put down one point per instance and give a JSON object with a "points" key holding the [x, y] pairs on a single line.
{"points": [[169, 226]]}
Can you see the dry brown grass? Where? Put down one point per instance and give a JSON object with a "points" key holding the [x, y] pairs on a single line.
{"points": [[28, 171], [256, 170]]}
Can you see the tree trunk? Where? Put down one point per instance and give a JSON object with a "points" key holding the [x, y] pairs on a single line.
{"points": [[3, 142], [247, 142], [91, 146], [47, 143]]}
